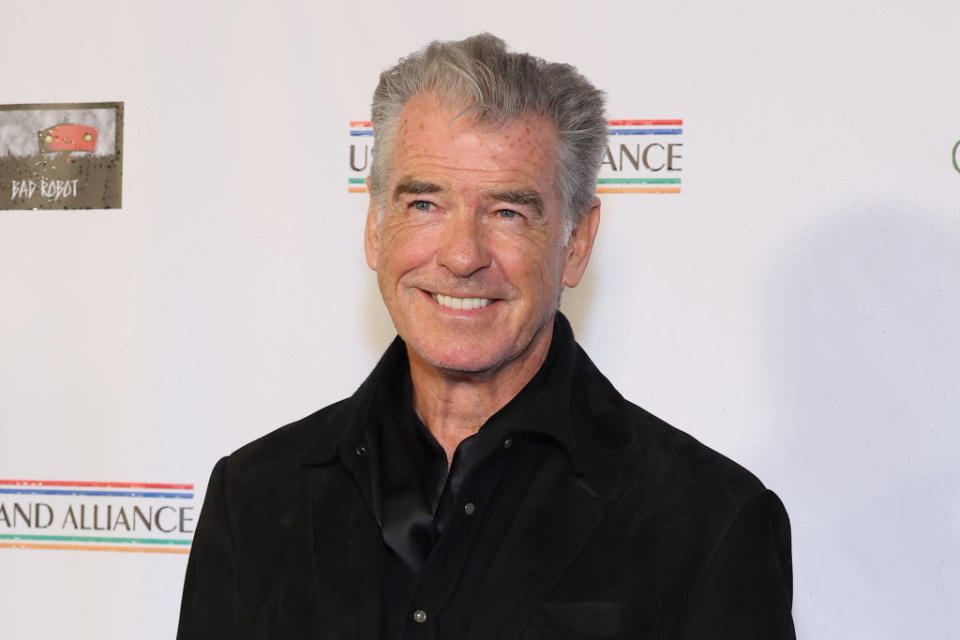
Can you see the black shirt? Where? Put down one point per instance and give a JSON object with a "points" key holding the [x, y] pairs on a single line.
{"points": [[436, 524]]}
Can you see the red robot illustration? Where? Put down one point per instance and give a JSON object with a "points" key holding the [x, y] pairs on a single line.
{"points": [[67, 138]]}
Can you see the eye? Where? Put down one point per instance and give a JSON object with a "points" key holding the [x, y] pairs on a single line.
{"points": [[421, 205], [508, 214]]}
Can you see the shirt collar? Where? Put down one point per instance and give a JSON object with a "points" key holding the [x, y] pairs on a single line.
{"points": [[545, 406]]}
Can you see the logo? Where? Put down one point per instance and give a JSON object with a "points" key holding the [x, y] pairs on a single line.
{"points": [[61, 156], [956, 160], [67, 137], [641, 156], [361, 152], [96, 516]]}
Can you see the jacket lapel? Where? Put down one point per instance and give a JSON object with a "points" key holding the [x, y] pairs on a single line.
{"points": [[556, 518], [346, 539], [346, 557]]}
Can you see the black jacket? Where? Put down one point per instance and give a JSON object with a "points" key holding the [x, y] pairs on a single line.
{"points": [[647, 534]]}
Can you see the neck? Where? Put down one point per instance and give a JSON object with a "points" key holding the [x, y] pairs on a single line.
{"points": [[455, 404]]}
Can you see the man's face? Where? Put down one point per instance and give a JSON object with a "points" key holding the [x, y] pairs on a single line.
{"points": [[469, 253]]}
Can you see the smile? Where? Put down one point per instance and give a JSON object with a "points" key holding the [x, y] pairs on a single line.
{"points": [[460, 303]]}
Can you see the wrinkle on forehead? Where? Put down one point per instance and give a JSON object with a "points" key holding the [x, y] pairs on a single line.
{"points": [[529, 135]]}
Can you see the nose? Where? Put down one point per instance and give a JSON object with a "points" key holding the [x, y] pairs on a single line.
{"points": [[463, 248]]}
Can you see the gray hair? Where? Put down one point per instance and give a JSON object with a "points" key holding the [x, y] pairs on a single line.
{"points": [[498, 87]]}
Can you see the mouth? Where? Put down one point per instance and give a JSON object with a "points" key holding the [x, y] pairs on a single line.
{"points": [[460, 304]]}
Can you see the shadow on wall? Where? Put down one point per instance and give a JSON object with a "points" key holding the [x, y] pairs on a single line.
{"points": [[867, 351]]}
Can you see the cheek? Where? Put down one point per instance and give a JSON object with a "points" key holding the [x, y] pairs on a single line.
{"points": [[405, 250], [533, 269]]}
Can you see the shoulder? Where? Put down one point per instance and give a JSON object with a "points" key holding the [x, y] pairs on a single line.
{"points": [[644, 448], [283, 449], [681, 469], [268, 475], [659, 465], [673, 455], [687, 499], [702, 525], [312, 440]]}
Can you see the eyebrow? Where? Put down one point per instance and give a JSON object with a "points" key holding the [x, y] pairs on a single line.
{"points": [[523, 197], [409, 185], [520, 197]]}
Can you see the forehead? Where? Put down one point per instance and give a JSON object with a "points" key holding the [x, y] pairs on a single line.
{"points": [[436, 140]]}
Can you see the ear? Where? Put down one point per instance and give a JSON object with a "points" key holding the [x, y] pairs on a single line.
{"points": [[371, 234], [580, 245]]}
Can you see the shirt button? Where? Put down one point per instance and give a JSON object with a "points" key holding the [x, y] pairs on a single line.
{"points": [[469, 508], [361, 450], [419, 616], [508, 443]]}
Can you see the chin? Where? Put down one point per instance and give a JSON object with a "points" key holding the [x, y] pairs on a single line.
{"points": [[459, 360]]}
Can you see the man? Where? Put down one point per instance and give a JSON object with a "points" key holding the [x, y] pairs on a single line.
{"points": [[486, 481]]}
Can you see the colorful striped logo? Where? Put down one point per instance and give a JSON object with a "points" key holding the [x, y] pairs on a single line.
{"points": [[642, 156], [149, 517], [361, 152]]}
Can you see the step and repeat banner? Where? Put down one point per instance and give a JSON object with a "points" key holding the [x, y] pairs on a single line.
{"points": [[182, 198]]}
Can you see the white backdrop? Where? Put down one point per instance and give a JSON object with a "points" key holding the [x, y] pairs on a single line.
{"points": [[795, 307]]}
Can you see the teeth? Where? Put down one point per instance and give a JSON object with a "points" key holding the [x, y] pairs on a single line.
{"points": [[460, 303]]}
